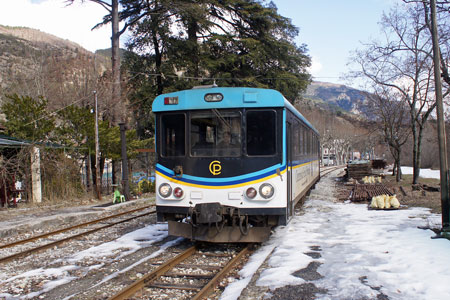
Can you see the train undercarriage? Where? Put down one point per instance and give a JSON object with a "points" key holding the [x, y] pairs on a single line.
{"points": [[216, 223]]}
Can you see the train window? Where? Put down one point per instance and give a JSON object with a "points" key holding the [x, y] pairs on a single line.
{"points": [[296, 139], [261, 132], [309, 143], [216, 133], [172, 134], [302, 140]]}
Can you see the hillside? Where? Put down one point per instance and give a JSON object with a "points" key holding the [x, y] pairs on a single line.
{"points": [[335, 97], [35, 63], [108, 52]]}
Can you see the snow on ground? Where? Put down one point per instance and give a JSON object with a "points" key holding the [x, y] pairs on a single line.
{"points": [[424, 173], [125, 245], [361, 249]]}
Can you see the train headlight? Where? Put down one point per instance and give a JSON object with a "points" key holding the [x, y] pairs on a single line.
{"points": [[178, 192], [213, 97], [165, 190], [266, 190], [250, 193]]}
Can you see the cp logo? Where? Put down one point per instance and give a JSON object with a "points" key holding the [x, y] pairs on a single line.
{"points": [[215, 167]]}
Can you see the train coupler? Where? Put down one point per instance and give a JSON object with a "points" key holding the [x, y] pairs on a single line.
{"points": [[213, 222]]}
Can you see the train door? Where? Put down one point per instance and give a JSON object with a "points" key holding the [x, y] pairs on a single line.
{"points": [[289, 169]]}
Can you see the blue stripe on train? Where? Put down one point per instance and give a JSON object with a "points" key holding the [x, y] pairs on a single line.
{"points": [[222, 181]]}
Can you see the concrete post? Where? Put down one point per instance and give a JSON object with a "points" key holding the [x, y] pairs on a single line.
{"points": [[36, 184]]}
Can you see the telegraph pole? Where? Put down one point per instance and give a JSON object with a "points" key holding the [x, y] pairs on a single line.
{"points": [[441, 124], [97, 152]]}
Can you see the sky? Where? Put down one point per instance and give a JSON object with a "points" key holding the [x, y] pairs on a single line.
{"points": [[331, 29]]}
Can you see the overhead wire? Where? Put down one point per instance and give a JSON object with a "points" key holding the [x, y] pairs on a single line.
{"points": [[136, 74], [56, 111]]}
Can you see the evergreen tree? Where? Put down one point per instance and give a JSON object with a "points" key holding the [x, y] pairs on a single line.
{"points": [[260, 51], [27, 118], [179, 44]]}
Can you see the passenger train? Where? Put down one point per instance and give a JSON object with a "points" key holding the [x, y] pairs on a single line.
{"points": [[231, 162]]}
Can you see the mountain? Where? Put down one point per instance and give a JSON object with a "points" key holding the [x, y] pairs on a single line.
{"points": [[336, 97], [108, 52], [35, 63]]}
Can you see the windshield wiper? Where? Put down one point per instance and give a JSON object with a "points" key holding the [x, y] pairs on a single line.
{"points": [[221, 118]]}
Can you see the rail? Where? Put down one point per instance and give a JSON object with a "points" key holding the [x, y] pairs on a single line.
{"points": [[149, 280], [54, 243], [327, 170]]}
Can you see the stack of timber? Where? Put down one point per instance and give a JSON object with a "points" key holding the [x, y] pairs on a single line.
{"points": [[365, 192], [359, 170], [379, 163]]}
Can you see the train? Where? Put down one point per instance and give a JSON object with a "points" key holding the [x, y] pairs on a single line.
{"points": [[231, 162]]}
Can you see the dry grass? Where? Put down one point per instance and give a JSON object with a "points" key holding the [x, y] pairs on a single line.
{"points": [[422, 198], [30, 208]]}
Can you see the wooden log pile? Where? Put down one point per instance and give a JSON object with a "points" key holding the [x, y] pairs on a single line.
{"points": [[359, 170], [365, 192], [424, 187], [378, 163]]}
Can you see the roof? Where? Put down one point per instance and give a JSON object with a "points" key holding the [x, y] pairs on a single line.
{"points": [[10, 142], [6, 141], [233, 97]]}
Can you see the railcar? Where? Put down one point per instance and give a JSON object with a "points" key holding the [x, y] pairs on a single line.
{"points": [[231, 162]]}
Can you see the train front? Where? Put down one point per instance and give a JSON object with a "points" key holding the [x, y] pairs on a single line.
{"points": [[220, 174]]}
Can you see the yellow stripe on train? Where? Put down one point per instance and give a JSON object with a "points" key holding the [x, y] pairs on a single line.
{"points": [[174, 180]]}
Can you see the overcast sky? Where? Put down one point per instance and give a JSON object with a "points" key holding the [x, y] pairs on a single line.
{"points": [[329, 28]]}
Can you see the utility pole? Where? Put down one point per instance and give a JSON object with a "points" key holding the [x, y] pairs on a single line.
{"points": [[441, 124], [97, 152]]}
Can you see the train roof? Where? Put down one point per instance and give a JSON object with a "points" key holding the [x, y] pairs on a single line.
{"points": [[233, 97]]}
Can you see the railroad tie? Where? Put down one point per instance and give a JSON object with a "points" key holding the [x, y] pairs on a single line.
{"points": [[365, 192], [163, 285]]}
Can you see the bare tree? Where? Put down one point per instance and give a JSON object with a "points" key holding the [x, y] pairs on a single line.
{"points": [[113, 17], [130, 16], [392, 120], [403, 62]]}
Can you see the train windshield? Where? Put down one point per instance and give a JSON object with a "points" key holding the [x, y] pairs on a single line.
{"points": [[173, 140], [216, 133], [261, 133]]}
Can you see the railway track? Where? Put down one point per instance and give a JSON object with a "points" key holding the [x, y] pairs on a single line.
{"points": [[326, 170], [194, 271], [71, 237]]}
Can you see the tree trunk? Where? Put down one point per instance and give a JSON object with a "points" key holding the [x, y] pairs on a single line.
{"points": [[419, 152], [102, 168], [88, 175], [192, 38], [398, 176], [415, 149], [115, 56], [113, 171], [93, 173], [158, 56]]}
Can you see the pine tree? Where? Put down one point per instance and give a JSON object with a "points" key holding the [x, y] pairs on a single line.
{"points": [[179, 44]]}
